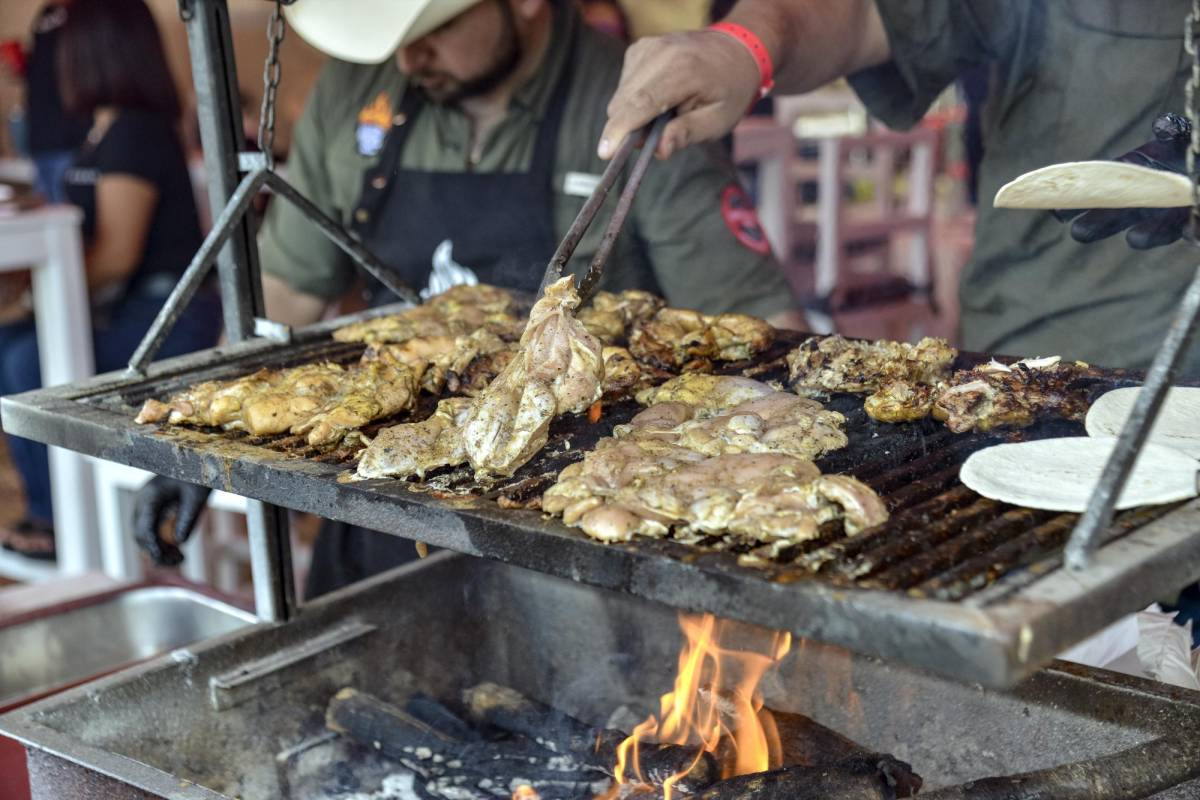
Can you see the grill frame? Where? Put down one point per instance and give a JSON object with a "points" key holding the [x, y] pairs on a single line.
{"points": [[994, 636]]}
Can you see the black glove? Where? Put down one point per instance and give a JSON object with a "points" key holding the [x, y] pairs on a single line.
{"points": [[154, 504], [1147, 227]]}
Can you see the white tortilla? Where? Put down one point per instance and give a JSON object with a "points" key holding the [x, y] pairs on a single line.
{"points": [[1178, 424], [1095, 184], [1060, 474]]}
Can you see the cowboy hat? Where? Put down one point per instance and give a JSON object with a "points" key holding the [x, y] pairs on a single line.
{"points": [[369, 31]]}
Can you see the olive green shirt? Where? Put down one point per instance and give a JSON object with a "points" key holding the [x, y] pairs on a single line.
{"points": [[1071, 80], [677, 240]]}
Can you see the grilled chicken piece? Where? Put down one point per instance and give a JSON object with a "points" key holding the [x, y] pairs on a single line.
{"points": [[681, 339], [716, 455], [375, 390], [611, 317], [302, 393], [402, 451], [220, 403], [457, 312], [997, 395], [776, 423], [836, 364], [478, 359], [558, 370], [624, 375], [709, 394], [900, 401]]}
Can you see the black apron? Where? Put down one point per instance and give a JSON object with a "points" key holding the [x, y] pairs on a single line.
{"points": [[501, 223], [502, 228]]}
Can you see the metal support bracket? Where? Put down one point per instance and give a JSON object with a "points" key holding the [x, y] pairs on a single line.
{"points": [[1099, 514], [229, 220]]}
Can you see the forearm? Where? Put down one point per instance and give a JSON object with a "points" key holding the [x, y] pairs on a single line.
{"points": [[288, 306], [813, 42]]}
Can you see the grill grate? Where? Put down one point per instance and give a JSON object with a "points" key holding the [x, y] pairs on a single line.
{"points": [[952, 582]]}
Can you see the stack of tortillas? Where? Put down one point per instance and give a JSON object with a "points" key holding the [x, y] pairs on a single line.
{"points": [[1095, 184], [1060, 474]]}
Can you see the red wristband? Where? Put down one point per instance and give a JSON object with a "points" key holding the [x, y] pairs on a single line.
{"points": [[766, 70]]}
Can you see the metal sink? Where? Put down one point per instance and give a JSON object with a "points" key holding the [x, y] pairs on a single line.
{"points": [[62, 649]]}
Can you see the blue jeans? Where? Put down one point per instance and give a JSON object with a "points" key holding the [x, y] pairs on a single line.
{"points": [[49, 168], [114, 338]]}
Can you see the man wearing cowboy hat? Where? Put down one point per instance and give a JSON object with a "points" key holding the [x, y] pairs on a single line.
{"points": [[464, 128], [456, 138]]}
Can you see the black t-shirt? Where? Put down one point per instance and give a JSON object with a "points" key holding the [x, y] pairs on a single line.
{"points": [[51, 127], [146, 145]]}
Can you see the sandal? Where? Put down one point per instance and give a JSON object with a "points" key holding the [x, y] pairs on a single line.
{"points": [[31, 539]]}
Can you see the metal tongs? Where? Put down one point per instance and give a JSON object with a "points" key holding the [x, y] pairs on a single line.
{"points": [[650, 137]]}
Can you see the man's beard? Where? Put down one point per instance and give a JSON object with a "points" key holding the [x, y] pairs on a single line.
{"points": [[508, 58]]}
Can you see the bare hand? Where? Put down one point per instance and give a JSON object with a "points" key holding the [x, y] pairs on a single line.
{"points": [[709, 78]]}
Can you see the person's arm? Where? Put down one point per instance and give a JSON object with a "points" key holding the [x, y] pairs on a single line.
{"points": [[710, 79], [124, 208], [289, 306]]}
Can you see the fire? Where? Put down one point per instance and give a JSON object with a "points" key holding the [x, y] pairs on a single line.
{"points": [[526, 792], [714, 706]]}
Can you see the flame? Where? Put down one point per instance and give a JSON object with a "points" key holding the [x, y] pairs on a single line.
{"points": [[714, 706], [526, 792]]}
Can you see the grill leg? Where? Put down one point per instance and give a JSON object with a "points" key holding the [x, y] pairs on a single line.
{"points": [[215, 74]]}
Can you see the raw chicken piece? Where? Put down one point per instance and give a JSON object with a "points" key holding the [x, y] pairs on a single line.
{"points": [[558, 370], [416, 448]]}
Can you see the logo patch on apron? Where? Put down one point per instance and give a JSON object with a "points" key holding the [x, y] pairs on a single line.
{"points": [[737, 209], [373, 122]]}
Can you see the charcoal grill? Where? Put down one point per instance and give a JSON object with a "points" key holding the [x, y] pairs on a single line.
{"points": [[242, 716], [954, 583]]}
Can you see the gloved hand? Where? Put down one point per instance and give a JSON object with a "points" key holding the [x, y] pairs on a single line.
{"points": [[1146, 227], [154, 504]]}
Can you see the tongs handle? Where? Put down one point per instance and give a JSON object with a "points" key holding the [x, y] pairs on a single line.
{"points": [[583, 221]]}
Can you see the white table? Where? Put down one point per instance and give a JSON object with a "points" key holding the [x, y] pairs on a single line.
{"points": [[47, 240]]}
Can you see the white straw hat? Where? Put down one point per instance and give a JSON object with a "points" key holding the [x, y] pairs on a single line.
{"points": [[369, 31]]}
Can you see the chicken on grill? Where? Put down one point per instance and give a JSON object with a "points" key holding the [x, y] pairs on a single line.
{"points": [[419, 447], [679, 339], [734, 462], [222, 403], [458, 364], [997, 395], [837, 364], [611, 317], [558, 370], [456, 312], [900, 401], [323, 399], [375, 390]]}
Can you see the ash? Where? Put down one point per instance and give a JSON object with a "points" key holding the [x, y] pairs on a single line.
{"points": [[398, 786]]}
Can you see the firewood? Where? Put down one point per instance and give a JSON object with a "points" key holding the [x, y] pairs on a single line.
{"points": [[807, 743], [398, 735], [509, 710], [852, 779], [1133, 774]]}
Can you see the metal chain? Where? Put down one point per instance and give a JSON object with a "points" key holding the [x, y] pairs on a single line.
{"points": [[1190, 93], [272, 72]]}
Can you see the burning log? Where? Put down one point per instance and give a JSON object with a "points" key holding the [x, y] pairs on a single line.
{"points": [[512, 711], [856, 778], [805, 742], [1134, 774]]}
